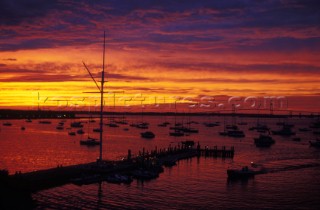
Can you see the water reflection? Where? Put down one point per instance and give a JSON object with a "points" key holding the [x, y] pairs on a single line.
{"points": [[196, 183], [100, 194]]}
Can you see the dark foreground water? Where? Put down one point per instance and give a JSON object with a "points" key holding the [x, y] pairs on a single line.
{"points": [[293, 181]]}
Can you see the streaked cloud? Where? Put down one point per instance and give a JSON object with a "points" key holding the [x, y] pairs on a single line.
{"points": [[178, 47]]}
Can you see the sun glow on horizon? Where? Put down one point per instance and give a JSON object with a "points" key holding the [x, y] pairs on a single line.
{"points": [[183, 51]]}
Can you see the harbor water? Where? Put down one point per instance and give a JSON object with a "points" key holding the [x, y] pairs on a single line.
{"points": [[292, 181]]}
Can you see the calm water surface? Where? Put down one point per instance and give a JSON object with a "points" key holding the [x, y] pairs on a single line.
{"points": [[198, 183]]}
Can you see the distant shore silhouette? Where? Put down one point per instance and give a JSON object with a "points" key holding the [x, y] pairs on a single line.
{"points": [[55, 114]]}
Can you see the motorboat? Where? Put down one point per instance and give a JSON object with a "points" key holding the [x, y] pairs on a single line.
{"points": [[164, 124], [232, 127], [232, 131], [188, 130], [244, 172], [304, 129], [147, 135], [264, 141], [223, 133], [7, 124], [176, 133], [316, 132], [315, 125], [90, 142], [76, 125], [315, 143], [59, 127], [296, 139], [235, 133], [96, 130], [142, 126], [285, 124], [112, 125], [260, 128], [71, 133], [285, 131], [80, 131], [211, 124], [44, 122]]}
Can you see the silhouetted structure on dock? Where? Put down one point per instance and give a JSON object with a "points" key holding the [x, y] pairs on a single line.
{"points": [[215, 152]]}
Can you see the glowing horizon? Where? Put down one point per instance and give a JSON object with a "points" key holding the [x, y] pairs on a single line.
{"points": [[187, 49]]}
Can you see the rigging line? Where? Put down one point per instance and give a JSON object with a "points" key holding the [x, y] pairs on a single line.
{"points": [[91, 76]]}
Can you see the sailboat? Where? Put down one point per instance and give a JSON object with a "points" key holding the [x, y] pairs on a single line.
{"points": [[89, 141], [177, 131], [101, 92]]}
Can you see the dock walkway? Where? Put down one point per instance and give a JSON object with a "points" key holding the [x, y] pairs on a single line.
{"points": [[54, 177]]}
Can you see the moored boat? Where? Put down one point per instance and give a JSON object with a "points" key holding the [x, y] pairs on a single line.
{"points": [[304, 129], [189, 130], [264, 141], [144, 174], [315, 143], [147, 135], [112, 125], [316, 132], [285, 131], [296, 139], [260, 128], [44, 122], [235, 133], [80, 131], [211, 124], [142, 125], [59, 127], [164, 124], [28, 120], [90, 142], [96, 130], [176, 133], [7, 124], [72, 133], [76, 125], [88, 179], [118, 179]]}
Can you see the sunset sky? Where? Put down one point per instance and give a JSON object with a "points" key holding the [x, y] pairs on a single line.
{"points": [[159, 49]]}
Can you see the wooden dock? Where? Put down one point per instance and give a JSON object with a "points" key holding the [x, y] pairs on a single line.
{"points": [[54, 177], [32, 182]]}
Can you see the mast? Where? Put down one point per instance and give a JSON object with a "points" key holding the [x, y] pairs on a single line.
{"points": [[101, 97]]}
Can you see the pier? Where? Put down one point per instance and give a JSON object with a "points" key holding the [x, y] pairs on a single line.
{"points": [[151, 161], [54, 177]]}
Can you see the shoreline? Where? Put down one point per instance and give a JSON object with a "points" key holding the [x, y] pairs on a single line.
{"points": [[50, 114]]}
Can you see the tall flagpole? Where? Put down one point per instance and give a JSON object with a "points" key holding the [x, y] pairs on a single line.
{"points": [[101, 97]]}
